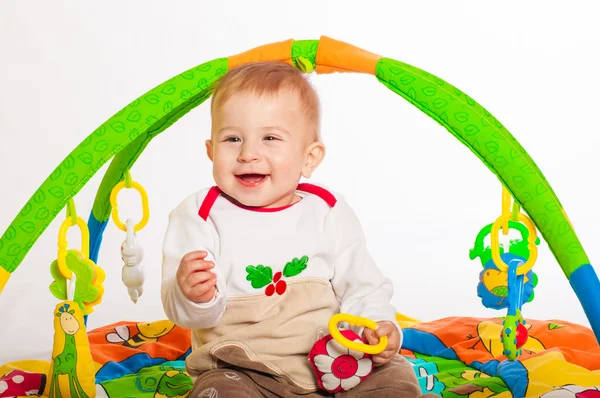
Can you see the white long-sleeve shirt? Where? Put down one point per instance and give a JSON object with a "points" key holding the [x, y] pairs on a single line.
{"points": [[316, 237]]}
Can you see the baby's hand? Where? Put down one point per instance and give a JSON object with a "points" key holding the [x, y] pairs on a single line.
{"points": [[195, 279], [388, 329]]}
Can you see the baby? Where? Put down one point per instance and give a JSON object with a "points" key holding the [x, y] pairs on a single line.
{"points": [[258, 264]]}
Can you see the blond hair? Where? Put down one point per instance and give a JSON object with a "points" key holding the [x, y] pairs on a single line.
{"points": [[269, 78]]}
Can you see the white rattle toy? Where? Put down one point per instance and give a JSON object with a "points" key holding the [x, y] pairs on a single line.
{"points": [[133, 273], [132, 253]]}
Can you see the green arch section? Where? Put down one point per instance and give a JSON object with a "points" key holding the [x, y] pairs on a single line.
{"points": [[497, 148], [125, 135], [164, 105]]}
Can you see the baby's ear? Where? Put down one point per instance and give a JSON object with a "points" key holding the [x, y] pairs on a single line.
{"points": [[209, 149], [315, 153]]}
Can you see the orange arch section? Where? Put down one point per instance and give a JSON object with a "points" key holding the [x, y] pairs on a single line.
{"points": [[338, 56], [332, 56], [279, 51]]}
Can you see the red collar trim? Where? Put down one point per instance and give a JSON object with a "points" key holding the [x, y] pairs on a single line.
{"points": [[214, 193], [320, 192], [208, 202]]}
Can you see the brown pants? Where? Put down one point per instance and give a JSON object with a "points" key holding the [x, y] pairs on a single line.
{"points": [[396, 379]]}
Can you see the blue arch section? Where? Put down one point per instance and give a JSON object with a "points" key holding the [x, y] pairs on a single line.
{"points": [[586, 286], [96, 229]]}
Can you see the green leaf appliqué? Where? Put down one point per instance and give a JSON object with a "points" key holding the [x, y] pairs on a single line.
{"points": [[260, 276], [295, 267]]}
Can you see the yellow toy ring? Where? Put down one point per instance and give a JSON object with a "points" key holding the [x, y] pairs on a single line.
{"points": [[352, 345], [115, 211], [63, 244], [502, 266]]}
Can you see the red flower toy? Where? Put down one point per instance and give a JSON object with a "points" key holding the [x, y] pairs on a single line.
{"points": [[338, 368], [341, 360]]}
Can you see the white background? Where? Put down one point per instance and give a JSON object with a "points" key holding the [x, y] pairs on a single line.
{"points": [[421, 195]]}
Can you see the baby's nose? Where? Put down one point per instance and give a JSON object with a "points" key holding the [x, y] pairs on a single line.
{"points": [[248, 154]]}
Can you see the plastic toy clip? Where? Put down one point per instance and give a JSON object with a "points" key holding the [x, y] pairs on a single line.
{"points": [[352, 345], [71, 221], [128, 183]]}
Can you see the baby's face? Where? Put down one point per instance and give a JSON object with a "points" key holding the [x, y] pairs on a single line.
{"points": [[260, 147]]}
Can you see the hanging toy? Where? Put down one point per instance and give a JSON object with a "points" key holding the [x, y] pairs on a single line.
{"points": [[132, 253], [133, 272], [493, 283], [76, 263], [342, 360], [507, 280]]}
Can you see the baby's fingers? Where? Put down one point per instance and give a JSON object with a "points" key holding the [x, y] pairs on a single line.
{"points": [[384, 329], [189, 268], [198, 265], [369, 335], [198, 278], [202, 291], [195, 255]]}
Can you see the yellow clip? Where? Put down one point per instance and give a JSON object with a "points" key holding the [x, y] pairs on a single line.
{"points": [[524, 268], [352, 345], [513, 214], [63, 244], [113, 201]]}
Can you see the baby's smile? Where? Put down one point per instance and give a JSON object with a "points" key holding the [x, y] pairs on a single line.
{"points": [[251, 180]]}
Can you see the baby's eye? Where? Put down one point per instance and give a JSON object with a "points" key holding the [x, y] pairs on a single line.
{"points": [[232, 139], [271, 138]]}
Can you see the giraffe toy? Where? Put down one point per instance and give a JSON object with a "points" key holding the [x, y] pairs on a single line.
{"points": [[71, 356]]}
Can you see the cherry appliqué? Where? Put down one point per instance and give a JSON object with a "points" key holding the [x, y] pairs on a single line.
{"points": [[261, 276], [278, 286]]}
